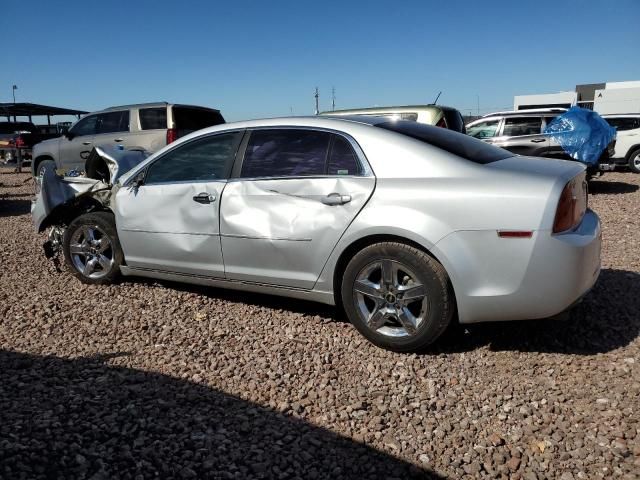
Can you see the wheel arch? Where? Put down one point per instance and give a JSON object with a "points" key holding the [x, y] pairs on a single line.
{"points": [[632, 150], [371, 239], [66, 213], [39, 159]]}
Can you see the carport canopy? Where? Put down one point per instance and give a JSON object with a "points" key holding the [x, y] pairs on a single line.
{"points": [[33, 109]]}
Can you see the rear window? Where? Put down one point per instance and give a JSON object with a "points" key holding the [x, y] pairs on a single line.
{"points": [[456, 143], [191, 119], [455, 121], [153, 118]]}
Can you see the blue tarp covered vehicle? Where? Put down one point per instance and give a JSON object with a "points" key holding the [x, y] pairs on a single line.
{"points": [[583, 134]]}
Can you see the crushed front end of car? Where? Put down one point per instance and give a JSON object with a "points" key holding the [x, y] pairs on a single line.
{"points": [[62, 199]]}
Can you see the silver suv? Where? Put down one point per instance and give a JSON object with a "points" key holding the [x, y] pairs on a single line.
{"points": [[520, 132], [149, 126]]}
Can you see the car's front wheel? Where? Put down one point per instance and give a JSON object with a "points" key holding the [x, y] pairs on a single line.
{"points": [[45, 165], [91, 248], [634, 161], [397, 296]]}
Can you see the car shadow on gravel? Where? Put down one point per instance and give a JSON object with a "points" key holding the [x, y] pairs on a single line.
{"points": [[607, 319], [305, 307], [82, 418], [611, 188]]}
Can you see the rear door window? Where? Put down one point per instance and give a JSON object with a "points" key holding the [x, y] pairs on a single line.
{"points": [[113, 122], [153, 118], [285, 153], [518, 126]]}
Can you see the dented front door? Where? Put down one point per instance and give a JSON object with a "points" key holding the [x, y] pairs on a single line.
{"points": [[171, 227], [282, 231], [170, 222]]}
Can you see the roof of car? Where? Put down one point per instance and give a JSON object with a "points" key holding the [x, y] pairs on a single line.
{"points": [[396, 109], [305, 121], [152, 105], [539, 111], [624, 115]]}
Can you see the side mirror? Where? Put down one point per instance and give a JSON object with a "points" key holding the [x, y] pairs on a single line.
{"points": [[137, 181], [69, 135]]}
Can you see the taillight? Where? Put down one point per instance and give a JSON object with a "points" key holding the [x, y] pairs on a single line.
{"points": [[572, 205], [172, 135], [20, 142], [442, 123]]}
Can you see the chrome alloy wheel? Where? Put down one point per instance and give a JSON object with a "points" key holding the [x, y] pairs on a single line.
{"points": [[91, 251], [636, 161], [390, 299]]}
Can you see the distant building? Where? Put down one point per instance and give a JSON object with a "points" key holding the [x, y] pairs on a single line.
{"points": [[610, 97]]}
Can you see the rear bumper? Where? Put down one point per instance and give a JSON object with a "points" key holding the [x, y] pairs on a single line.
{"points": [[521, 279]]}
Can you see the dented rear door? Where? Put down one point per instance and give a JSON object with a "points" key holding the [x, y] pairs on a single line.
{"points": [[281, 230]]}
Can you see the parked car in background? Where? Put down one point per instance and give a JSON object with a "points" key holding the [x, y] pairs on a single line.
{"points": [[627, 149], [402, 224], [148, 126], [438, 115], [521, 132], [22, 136]]}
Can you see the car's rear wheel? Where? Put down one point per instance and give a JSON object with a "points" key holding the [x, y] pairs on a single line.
{"points": [[91, 248], [634, 161], [397, 296]]}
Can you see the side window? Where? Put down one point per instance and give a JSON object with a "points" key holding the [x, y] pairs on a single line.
{"points": [[517, 126], [113, 122], [153, 118], [343, 160], [624, 123], [285, 153], [208, 158], [86, 126], [483, 129]]}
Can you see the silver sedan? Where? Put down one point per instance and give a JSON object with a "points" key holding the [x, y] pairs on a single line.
{"points": [[406, 226]]}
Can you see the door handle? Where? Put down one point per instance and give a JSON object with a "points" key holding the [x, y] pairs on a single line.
{"points": [[537, 140], [336, 199], [204, 198], [86, 143], [117, 140]]}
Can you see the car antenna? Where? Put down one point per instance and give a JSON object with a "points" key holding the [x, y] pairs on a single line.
{"points": [[435, 102]]}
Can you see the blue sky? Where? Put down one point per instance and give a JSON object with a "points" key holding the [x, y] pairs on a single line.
{"points": [[256, 59]]}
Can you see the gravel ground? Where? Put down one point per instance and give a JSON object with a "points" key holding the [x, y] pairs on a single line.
{"points": [[146, 379]]}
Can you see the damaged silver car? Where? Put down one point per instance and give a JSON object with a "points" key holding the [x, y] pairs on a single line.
{"points": [[405, 226]]}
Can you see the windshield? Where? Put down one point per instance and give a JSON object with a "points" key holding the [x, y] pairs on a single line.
{"points": [[459, 144]]}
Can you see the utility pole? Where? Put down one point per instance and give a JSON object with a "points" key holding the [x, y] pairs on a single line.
{"points": [[316, 95], [333, 98], [478, 97], [15, 87]]}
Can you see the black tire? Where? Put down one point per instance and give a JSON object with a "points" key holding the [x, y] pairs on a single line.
{"points": [[634, 161], [45, 165], [91, 248], [408, 262]]}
